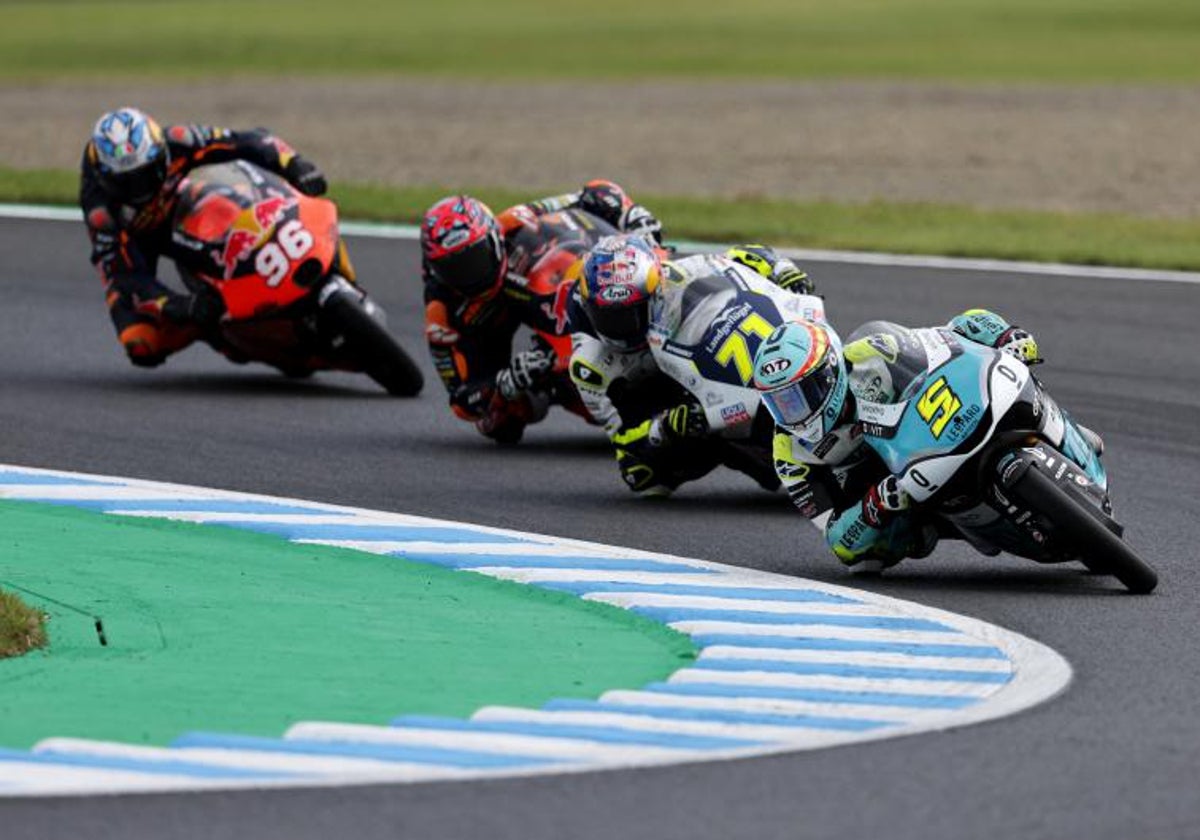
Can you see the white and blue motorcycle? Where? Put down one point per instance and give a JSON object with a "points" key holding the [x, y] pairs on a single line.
{"points": [[974, 438]]}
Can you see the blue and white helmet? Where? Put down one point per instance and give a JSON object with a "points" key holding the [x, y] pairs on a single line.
{"points": [[800, 371], [130, 155], [618, 281]]}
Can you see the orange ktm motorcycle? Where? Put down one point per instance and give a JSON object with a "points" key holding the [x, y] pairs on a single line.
{"points": [[275, 259]]}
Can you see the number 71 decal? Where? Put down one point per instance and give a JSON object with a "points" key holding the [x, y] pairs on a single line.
{"points": [[735, 349], [938, 405]]}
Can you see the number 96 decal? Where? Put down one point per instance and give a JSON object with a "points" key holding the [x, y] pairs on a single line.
{"points": [[275, 259]]}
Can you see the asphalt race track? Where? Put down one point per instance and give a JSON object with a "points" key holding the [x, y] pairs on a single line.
{"points": [[1116, 756]]}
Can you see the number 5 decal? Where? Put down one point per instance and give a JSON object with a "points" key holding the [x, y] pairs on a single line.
{"points": [[274, 259], [937, 405]]}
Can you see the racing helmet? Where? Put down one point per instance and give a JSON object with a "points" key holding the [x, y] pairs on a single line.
{"points": [[620, 274], [130, 155], [800, 371], [463, 247]]}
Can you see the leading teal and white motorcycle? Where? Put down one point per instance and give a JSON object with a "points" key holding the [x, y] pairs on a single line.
{"points": [[975, 439]]}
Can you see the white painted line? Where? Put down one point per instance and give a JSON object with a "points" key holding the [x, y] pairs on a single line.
{"points": [[244, 759], [379, 230], [573, 750], [599, 576], [31, 778], [201, 517], [518, 550], [868, 658], [823, 682], [818, 631], [769, 706], [794, 735], [97, 493], [629, 600]]}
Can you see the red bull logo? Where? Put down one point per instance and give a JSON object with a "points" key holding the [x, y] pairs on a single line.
{"points": [[249, 230]]}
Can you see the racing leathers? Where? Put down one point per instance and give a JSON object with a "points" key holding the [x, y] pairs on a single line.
{"points": [[471, 337], [152, 320], [662, 434], [840, 484]]}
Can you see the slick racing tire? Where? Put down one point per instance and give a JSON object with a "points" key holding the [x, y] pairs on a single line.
{"points": [[370, 344], [1100, 549]]}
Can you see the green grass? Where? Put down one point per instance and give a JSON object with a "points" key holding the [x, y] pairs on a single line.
{"points": [[1088, 238], [22, 628], [1025, 40]]}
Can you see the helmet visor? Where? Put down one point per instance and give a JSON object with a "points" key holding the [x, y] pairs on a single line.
{"points": [[137, 186], [622, 326], [471, 271], [798, 402]]}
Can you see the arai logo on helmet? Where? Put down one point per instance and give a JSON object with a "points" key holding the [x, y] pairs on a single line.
{"points": [[454, 236], [615, 294], [773, 367]]}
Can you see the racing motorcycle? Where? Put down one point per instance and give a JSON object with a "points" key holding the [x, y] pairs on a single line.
{"points": [[272, 255], [548, 252], [704, 333], [975, 439], [546, 255]]}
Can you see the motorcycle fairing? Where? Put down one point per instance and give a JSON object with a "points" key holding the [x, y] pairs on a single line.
{"points": [[709, 318], [946, 416], [229, 213]]}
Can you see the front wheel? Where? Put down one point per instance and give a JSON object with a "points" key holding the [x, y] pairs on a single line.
{"points": [[1100, 549], [361, 337]]}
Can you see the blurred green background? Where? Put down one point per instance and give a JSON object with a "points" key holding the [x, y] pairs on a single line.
{"points": [[995, 40], [963, 42]]}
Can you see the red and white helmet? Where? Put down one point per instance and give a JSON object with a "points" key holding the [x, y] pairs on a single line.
{"points": [[462, 245]]}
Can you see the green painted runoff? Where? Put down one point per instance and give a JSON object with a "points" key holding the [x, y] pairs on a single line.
{"points": [[217, 629]]}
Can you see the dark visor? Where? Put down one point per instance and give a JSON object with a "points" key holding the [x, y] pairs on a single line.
{"points": [[139, 185], [472, 270], [622, 325]]}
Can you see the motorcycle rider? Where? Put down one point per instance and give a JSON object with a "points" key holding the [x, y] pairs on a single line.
{"points": [[657, 428], [809, 383], [130, 170], [477, 295]]}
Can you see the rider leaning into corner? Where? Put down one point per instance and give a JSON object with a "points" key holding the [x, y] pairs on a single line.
{"points": [[809, 383], [658, 429], [129, 174], [477, 296]]}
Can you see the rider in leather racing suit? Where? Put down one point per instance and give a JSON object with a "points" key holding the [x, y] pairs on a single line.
{"points": [[830, 472], [130, 170], [657, 428], [478, 293]]}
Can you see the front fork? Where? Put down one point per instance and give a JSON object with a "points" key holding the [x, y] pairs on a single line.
{"points": [[1074, 479]]}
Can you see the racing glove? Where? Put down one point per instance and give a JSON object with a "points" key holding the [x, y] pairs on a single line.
{"points": [[779, 270], [639, 475], [527, 370], [304, 175], [680, 422], [990, 329], [202, 310], [470, 400], [883, 502], [790, 276]]}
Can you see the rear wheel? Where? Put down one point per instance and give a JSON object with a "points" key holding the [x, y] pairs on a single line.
{"points": [[371, 346], [1100, 549]]}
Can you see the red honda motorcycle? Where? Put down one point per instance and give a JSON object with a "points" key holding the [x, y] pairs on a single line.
{"points": [[276, 260]]}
